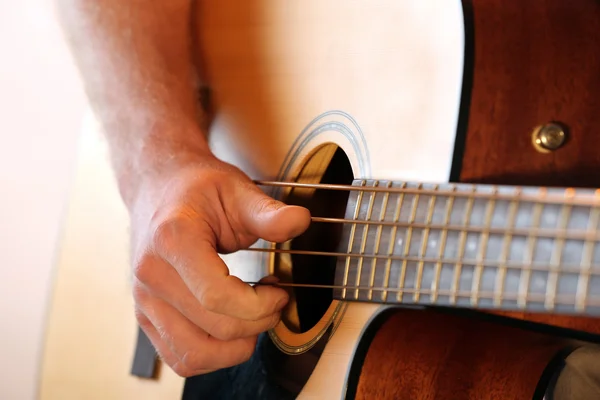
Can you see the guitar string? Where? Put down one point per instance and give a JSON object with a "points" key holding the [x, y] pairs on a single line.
{"points": [[563, 299], [488, 263], [570, 196], [573, 234]]}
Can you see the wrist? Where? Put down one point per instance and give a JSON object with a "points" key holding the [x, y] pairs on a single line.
{"points": [[155, 155]]}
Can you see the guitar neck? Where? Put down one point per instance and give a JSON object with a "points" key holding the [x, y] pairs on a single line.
{"points": [[483, 246]]}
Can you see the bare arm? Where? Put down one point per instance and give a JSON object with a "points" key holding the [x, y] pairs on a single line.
{"points": [[185, 205], [135, 60]]}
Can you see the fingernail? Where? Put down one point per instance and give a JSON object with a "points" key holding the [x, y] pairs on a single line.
{"points": [[281, 303]]}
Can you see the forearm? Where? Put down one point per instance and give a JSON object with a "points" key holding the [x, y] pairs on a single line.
{"points": [[135, 60]]}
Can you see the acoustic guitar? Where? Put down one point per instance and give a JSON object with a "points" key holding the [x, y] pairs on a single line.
{"points": [[449, 154]]}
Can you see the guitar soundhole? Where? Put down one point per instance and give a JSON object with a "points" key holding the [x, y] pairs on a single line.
{"points": [[329, 164]]}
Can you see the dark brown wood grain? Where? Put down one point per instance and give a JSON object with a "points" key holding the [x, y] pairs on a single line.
{"points": [[428, 355], [576, 323], [533, 62]]}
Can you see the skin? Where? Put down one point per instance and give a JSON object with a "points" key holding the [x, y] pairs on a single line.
{"points": [[186, 206]]}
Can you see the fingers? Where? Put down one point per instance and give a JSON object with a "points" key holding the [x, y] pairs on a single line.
{"points": [[269, 219], [227, 294], [162, 348], [165, 282], [184, 245], [184, 346], [198, 316]]}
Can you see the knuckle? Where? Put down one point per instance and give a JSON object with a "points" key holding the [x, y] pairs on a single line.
{"points": [[166, 232], [182, 370], [139, 294], [211, 299], [142, 270], [266, 203], [168, 228], [227, 331], [142, 320], [193, 360]]}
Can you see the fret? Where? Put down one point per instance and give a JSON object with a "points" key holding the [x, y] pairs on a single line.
{"points": [[559, 245], [393, 234], [586, 264], [363, 242], [502, 269], [483, 243], [424, 243], [529, 254], [461, 250], [442, 249], [351, 238], [384, 205], [401, 281]]}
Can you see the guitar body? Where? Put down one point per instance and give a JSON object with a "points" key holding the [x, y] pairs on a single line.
{"points": [[333, 91]]}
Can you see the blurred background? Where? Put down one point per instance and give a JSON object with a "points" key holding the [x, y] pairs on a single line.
{"points": [[41, 110]]}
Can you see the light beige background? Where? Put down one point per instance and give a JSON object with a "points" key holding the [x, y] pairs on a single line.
{"points": [[41, 108]]}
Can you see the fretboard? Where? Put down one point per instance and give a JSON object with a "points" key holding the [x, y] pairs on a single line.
{"points": [[498, 247]]}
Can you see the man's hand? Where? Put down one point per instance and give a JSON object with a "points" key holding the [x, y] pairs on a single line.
{"points": [[185, 205], [199, 317]]}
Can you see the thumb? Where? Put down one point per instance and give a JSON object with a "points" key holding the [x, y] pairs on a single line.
{"points": [[271, 220]]}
